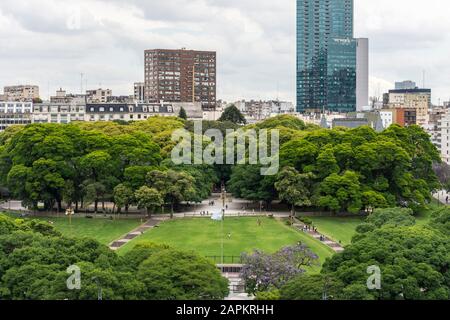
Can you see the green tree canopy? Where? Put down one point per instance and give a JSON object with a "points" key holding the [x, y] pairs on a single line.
{"points": [[233, 115]]}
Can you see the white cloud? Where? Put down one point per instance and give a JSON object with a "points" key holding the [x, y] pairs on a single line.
{"points": [[254, 40]]}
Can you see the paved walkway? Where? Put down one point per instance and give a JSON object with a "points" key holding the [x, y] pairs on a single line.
{"points": [[150, 224], [442, 196], [318, 236]]}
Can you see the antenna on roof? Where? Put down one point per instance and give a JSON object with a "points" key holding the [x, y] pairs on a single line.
{"points": [[423, 79], [81, 83]]}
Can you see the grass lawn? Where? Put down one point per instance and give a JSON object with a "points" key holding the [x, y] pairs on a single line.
{"points": [[204, 236], [338, 228], [102, 230], [424, 217]]}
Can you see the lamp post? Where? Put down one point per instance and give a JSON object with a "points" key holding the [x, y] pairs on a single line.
{"points": [[224, 197], [99, 287]]}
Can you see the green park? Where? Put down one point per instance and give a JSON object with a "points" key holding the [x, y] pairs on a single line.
{"points": [[108, 198]]}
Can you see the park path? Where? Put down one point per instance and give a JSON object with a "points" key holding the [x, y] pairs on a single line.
{"points": [[319, 237], [150, 224]]}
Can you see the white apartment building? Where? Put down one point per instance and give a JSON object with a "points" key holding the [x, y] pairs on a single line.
{"points": [[68, 112], [15, 113], [58, 112], [444, 129]]}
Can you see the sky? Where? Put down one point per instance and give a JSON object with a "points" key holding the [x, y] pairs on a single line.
{"points": [[51, 42]]}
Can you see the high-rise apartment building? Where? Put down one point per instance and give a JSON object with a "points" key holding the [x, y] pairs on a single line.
{"points": [[362, 73], [327, 56], [181, 76], [139, 91]]}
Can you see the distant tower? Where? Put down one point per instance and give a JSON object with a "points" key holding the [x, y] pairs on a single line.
{"points": [[326, 56]]}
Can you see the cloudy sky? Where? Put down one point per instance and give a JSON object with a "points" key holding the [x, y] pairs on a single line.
{"points": [[51, 42]]}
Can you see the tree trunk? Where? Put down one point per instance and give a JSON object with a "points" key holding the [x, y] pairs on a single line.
{"points": [[96, 206], [171, 212], [149, 214]]}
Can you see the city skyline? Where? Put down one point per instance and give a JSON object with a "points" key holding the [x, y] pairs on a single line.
{"points": [[255, 43]]}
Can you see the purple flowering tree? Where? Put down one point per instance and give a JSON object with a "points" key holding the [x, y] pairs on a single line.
{"points": [[264, 272]]}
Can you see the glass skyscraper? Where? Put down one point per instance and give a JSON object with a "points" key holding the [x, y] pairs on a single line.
{"points": [[326, 56]]}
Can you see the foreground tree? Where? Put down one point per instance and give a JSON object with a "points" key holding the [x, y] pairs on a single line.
{"points": [[413, 262], [311, 287], [264, 272], [175, 275], [34, 259]]}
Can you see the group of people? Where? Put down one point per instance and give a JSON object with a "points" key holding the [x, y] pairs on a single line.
{"points": [[309, 228], [204, 213], [212, 203]]}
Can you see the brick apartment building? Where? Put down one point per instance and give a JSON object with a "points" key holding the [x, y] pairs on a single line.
{"points": [[181, 76]]}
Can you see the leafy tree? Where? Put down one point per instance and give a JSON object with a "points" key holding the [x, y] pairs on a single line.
{"points": [[441, 220], [135, 176], [264, 272], [341, 192], [286, 121], [148, 198], [96, 166], [412, 260], [268, 296], [34, 259], [123, 197], [311, 287], [205, 177], [175, 275], [392, 216], [223, 126], [141, 252], [294, 187], [233, 115], [182, 114], [246, 182], [174, 186]]}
